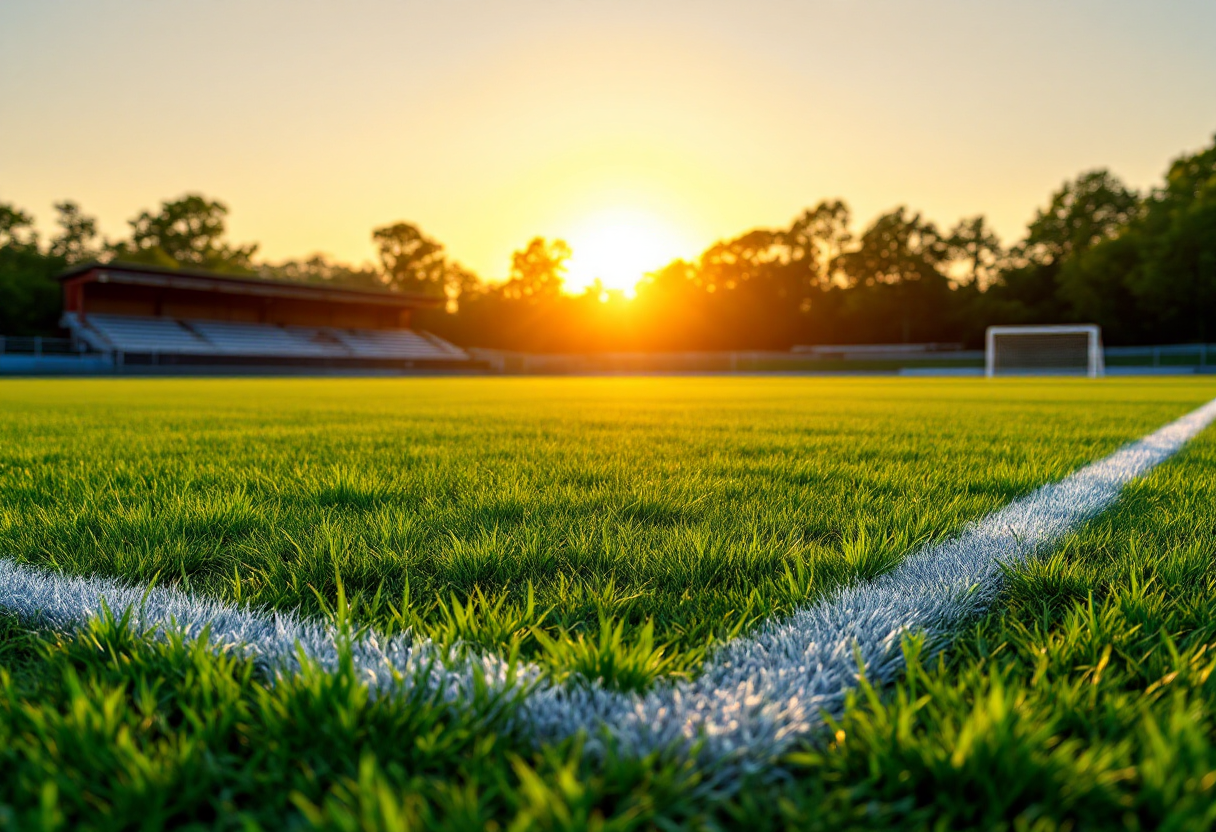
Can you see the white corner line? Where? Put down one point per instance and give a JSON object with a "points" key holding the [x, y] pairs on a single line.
{"points": [[754, 696]]}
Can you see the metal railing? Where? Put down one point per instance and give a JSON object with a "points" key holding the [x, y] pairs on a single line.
{"points": [[866, 358], [503, 361], [38, 345], [1172, 355], [872, 358]]}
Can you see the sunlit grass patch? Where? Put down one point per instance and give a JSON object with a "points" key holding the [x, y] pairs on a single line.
{"points": [[612, 532], [114, 730], [1086, 699], [704, 505]]}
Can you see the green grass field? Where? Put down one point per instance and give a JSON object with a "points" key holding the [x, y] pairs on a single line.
{"points": [[612, 528]]}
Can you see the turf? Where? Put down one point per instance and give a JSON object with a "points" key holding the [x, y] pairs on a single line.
{"points": [[611, 527], [1084, 700]]}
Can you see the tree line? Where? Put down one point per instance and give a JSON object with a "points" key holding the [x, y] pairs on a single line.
{"points": [[1143, 266]]}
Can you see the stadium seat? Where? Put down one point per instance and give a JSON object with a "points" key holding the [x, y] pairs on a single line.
{"points": [[165, 336], [397, 343], [256, 339], [135, 334], [319, 340]]}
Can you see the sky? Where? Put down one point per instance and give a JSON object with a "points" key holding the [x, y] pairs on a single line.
{"points": [[637, 131]]}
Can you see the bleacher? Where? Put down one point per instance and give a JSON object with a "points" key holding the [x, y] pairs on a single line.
{"points": [[322, 340], [394, 343], [137, 334], [253, 339], [162, 337], [137, 315]]}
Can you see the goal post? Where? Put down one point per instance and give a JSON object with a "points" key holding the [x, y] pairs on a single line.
{"points": [[1044, 350]]}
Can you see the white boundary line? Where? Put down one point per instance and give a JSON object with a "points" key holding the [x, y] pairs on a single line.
{"points": [[753, 697]]}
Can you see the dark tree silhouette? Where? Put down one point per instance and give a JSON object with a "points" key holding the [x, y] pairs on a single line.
{"points": [[187, 231], [1143, 267], [410, 260]]}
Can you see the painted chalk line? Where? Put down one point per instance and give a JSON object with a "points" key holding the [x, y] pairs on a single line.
{"points": [[754, 696]]}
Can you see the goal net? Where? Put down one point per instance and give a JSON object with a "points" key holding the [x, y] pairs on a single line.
{"points": [[1044, 350]]}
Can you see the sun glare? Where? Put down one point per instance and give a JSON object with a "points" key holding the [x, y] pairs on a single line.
{"points": [[619, 247]]}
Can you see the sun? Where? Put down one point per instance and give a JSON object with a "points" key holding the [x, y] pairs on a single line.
{"points": [[619, 246]]}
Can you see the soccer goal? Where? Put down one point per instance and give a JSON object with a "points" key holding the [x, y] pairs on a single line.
{"points": [[1044, 350]]}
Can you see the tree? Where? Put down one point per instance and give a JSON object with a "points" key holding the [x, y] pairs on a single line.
{"points": [[411, 261], [187, 231], [537, 271], [730, 264], [671, 285], [1148, 272], [758, 286], [1176, 282], [320, 269], [1096, 285], [1091, 208], [461, 285], [1081, 214], [16, 228], [817, 238], [75, 242], [29, 295], [975, 248], [898, 247], [899, 260]]}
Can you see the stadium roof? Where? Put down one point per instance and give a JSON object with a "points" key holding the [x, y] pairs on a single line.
{"points": [[139, 274]]}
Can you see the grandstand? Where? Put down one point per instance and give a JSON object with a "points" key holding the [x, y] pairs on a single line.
{"points": [[147, 315]]}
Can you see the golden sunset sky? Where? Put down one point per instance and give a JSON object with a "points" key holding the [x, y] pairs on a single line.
{"points": [[637, 131]]}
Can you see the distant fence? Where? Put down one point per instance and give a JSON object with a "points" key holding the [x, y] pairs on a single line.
{"points": [[37, 345], [1199, 356], [869, 358], [749, 361], [40, 355], [37, 355]]}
